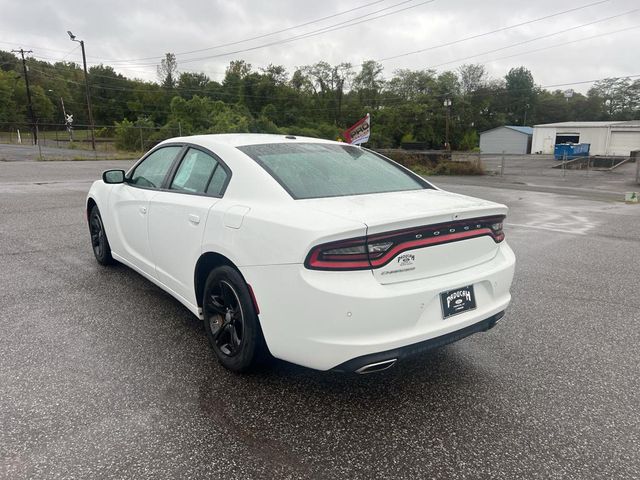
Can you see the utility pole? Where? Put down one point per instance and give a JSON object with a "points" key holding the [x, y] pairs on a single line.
{"points": [[34, 128], [86, 84]]}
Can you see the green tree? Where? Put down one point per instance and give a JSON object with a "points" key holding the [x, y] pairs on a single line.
{"points": [[8, 107], [521, 94], [168, 71], [109, 92], [193, 83], [8, 61], [619, 98], [472, 78], [368, 84]]}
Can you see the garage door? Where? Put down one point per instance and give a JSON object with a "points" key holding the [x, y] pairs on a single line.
{"points": [[624, 142]]}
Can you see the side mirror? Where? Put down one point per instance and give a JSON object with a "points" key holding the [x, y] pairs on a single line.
{"points": [[113, 176]]}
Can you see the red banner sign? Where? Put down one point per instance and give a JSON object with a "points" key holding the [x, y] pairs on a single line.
{"points": [[358, 133]]}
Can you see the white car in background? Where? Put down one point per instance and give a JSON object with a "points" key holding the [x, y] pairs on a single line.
{"points": [[320, 253]]}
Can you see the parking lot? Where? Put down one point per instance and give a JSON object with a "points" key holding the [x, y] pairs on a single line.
{"points": [[103, 375]]}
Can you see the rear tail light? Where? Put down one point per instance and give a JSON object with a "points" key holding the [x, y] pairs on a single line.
{"points": [[352, 254], [498, 233], [375, 251]]}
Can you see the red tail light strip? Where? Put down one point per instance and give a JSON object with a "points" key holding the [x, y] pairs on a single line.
{"points": [[313, 261], [365, 253], [428, 242]]}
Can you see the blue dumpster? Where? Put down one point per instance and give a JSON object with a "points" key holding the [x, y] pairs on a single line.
{"points": [[571, 150]]}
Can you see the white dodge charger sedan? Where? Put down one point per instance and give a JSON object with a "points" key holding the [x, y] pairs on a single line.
{"points": [[316, 252]]}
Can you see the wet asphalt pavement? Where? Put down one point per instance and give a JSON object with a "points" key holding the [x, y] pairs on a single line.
{"points": [[103, 375]]}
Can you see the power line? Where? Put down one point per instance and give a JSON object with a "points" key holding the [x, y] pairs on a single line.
{"points": [[57, 60], [559, 32], [139, 89], [390, 102], [387, 102], [224, 94], [442, 95], [317, 20], [549, 47], [491, 32], [338, 26], [313, 33], [238, 41], [32, 46], [150, 87]]}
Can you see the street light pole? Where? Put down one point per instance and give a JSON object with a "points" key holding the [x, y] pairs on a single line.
{"points": [[86, 84], [34, 128], [447, 104]]}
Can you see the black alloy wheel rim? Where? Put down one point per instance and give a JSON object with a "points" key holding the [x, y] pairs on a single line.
{"points": [[97, 235], [223, 311]]}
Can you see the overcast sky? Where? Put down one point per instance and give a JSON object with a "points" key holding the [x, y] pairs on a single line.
{"points": [[121, 33]]}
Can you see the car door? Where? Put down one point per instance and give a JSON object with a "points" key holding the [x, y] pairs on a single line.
{"points": [[129, 206], [177, 218]]}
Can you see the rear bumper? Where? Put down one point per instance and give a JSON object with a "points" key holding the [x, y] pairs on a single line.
{"points": [[325, 320], [382, 360]]}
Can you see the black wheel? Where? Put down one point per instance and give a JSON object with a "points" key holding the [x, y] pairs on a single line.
{"points": [[99, 242], [231, 322]]}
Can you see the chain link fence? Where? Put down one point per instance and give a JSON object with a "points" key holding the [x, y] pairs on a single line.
{"points": [[549, 165], [534, 169], [57, 142]]}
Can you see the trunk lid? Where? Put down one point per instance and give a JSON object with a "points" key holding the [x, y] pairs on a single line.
{"points": [[450, 216]]}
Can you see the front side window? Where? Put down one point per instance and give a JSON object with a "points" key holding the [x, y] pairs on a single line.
{"points": [[152, 171], [199, 172], [316, 170]]}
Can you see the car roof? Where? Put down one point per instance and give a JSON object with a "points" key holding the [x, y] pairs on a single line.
{"points": [[243, 139]]}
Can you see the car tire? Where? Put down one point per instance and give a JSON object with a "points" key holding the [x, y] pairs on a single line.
{"points": [[99, 241], [231, 322]]}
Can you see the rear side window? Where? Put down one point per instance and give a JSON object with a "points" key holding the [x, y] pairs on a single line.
{"points": [[199, 172], [152, 171], [315, 170], [218, 181]]}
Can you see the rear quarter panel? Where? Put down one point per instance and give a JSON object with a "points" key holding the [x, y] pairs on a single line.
{"points": [[273, 233]]}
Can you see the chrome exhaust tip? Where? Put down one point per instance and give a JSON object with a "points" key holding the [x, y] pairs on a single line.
{"points": [[376, 367]]}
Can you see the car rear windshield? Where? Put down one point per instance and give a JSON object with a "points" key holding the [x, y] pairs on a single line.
{"points": [[316, 170]]}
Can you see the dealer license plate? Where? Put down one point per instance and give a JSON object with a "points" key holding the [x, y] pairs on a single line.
{"points": [[457, 301]]}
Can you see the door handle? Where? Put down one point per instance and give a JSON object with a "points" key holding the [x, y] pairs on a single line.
{"points": [[195, 219], [143, 210]]}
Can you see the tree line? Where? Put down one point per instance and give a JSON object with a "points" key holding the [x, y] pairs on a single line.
{"points": [[317, 100]]}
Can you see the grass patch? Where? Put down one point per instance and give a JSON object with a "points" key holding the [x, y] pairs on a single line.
{"points": [[87, 158], [436, 163], [449, 168]]}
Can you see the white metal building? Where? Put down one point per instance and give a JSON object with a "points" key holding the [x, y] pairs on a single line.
{"points": [[606, 138], [507, 139]]}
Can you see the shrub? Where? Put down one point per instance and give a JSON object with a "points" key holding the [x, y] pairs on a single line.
{"points": [[451, 168], [469, 140], [134, 136], [428, 164], [408, 137], [105, 132]]}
